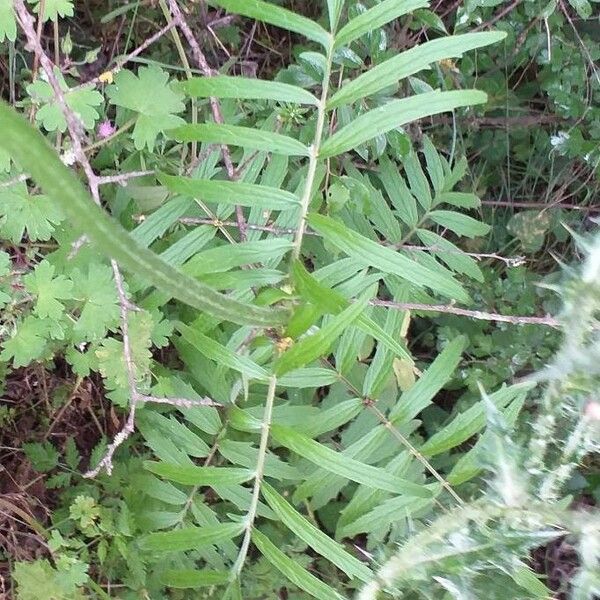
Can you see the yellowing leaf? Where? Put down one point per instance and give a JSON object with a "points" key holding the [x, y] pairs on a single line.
{"points": [[404, 372]]}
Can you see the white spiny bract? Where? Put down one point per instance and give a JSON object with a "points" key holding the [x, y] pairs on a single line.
{"points": [[523, 499]]}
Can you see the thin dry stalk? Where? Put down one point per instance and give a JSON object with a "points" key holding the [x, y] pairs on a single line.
{"points": [[215, 107]]}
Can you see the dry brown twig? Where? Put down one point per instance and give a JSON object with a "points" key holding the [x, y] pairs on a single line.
{"points": [[134, 395], [480, 315], [76, 132], [511, 261], [120, 63], [547, 321]]}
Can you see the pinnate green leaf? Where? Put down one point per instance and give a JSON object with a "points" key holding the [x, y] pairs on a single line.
{"points": [[292, 570], [193, 475], [384, 259], [419, 186], [190, 538], [471, 421], [191, 579], [460, 224], [234, 135], [315, 538], [155, 225], [334, 9], [278, 16], [327, 300], [318, 344], [385, 513], [394, 114], [222, 258], [374, 18], [460, 199], [231, 192], [452, 255], [224, 86], [398, 192], [434, 165], [412, 61], [309, 377], [346, 467], [421, 394], [221, 354]]}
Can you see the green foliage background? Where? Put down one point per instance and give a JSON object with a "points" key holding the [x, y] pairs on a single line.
{"points": [[303, 424]]}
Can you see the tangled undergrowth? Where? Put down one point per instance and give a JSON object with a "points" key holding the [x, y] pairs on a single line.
{"points": [[281, 312]]}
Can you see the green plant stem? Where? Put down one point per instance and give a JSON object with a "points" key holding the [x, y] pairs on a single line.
{"points": [[260, 470], [314, 155], [187, 69]]}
